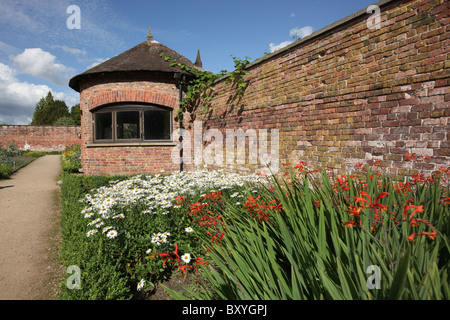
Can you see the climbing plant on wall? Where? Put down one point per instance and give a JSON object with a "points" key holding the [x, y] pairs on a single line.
{"points": [[199, 89]]}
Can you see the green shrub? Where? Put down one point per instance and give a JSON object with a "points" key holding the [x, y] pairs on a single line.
{"points": [[100, 278], [10, 151], [38, 154], [5, 170]]}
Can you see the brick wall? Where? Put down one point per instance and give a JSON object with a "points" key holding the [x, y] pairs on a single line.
{"points": [[40, 138], [348, 93], [104, 159]]}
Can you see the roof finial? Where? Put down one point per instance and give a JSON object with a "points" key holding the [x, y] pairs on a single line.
{"points": [[198, 60], [149, 36]]}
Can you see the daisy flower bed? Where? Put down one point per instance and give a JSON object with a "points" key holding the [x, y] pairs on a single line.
{"points": [[119, 231]]}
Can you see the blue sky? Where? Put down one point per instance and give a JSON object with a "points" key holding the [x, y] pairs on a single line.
{"points": [[39, 53]]}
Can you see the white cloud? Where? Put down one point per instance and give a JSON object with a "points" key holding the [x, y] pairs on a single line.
{"points": [[292, 15], [18, 99], [42, 64], [301, 32], [295, 32], [70, 50], [274, 47]]}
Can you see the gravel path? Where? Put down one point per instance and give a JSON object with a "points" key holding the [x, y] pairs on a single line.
{"points": [[30, 232]]}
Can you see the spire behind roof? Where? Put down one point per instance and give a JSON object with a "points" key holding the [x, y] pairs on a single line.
{"points": [[198, 60], [150, 37]]}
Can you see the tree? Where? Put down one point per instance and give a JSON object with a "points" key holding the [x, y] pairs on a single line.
{"points": [[75, 113], [65, 121], [48, 110]]}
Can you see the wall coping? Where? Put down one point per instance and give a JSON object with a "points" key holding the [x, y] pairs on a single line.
{"points": [[313, 35]]}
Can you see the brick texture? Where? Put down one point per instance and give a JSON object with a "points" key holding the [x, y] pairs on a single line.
{"points": [[40, 138], [353, 94], [131, 87]]}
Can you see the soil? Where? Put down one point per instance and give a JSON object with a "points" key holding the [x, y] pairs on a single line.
{"points": [[30, 232]]}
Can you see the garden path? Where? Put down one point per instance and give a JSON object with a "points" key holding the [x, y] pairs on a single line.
{"points": [[29, 231]]}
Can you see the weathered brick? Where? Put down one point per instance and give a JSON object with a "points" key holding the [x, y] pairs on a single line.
{"points": [[40, 138], [335, 97]]}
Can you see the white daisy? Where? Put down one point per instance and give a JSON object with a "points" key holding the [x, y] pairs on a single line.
{"points": [[98, 225], [186, 258], [188, 229], [91, 232], [93, 222], [140, 285], [106, 229], [112, 234], [88, 214]]}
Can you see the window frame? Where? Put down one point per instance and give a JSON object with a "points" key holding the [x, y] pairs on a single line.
{"points": [[124, 107]]}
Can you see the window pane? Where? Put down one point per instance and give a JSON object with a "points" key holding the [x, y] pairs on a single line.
{"points": [[103, 126], [157, 125], [128, 125]]}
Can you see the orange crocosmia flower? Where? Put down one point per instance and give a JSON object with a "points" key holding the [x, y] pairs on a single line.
{"points": [[196, 207], [413, 223], [353, 211], [381, 195], [411, 237], [199, 260], [368, 201], [431, 235], [180, 200], [350, 224], [446, 200], [361, 199], [417, 209]]}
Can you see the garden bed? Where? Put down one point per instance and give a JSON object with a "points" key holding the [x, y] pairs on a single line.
{"points": [[19, 162], [316, 236]]}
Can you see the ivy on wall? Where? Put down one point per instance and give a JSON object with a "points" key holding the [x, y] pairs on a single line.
{"points": [[199, 89]]}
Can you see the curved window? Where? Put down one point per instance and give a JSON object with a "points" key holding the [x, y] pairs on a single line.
{"points": [[132, 123]]}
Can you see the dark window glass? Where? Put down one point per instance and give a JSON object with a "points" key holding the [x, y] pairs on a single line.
{"points": [[157, 124], [103, 126], [128, 125]]}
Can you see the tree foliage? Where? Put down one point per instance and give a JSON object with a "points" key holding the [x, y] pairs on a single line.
{"points": [[49, 111]]}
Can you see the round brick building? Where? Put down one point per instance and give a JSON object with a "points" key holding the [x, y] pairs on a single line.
{"points": [[129, 107]]}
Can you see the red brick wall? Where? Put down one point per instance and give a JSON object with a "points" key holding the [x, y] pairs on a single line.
{"points": [[40, 138], [350, 94], [133, 87], [128, 160]]}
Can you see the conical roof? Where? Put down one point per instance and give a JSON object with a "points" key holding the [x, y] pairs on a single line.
{"points": [[146, 56]]}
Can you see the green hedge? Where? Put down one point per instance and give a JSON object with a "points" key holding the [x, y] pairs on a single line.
{"points": [[100, 276]]}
